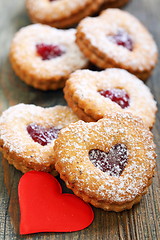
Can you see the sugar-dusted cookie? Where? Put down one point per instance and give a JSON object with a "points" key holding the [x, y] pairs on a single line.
{"points": [[110, 163], [118, 39], [93, 94], [61, 13], [28, 133], [43, 56]]}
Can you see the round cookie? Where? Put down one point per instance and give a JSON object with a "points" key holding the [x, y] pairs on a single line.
{"points": [[118, 39], [28, 133], [61, 13], [43, 56], [93, 94], [110, 163]]}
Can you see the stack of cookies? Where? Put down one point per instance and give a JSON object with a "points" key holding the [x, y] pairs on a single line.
{"points": [[100, 144]]}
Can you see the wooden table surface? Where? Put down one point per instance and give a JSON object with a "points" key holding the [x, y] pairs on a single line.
{"points": [[139, 223]]}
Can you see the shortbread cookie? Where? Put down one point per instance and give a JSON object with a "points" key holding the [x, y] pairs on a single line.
{"points": [[93, 94], [43, 56], [118, 39], [110, 163], [28, 133], [61, 13]]}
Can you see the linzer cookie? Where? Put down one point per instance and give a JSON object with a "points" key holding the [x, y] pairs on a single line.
{"points": [[28, 133], [43, 56], [118, 39], [61, 13], [110, 163], [93, 94]]}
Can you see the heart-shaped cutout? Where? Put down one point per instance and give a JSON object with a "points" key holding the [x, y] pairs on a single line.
{"points": [[50, 51], [112, 162], [122, 38], [119, 96], [41, 134], [44, 208]]}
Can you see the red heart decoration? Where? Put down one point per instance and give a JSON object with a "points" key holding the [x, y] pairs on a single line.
{"points": [[44, 208]]}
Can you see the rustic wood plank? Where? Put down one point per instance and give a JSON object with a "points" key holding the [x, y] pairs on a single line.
{"points": [[143, 220]]}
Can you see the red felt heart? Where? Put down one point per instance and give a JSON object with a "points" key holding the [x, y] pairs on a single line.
{"points": [[44, 208]]}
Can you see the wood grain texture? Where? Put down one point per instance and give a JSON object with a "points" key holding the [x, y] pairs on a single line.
{"points": [[142, 222]]}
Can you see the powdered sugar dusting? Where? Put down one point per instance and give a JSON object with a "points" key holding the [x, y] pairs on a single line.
{"points": [[50, 11], [14, 136], [23, 50], [73, 162], [96, 30], [84, 85], [112, 162]]}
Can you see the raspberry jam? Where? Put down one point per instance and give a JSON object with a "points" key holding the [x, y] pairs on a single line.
{"points": [[48, 51], [117, 95], [122, 38], [112, 162], [42, 135]]}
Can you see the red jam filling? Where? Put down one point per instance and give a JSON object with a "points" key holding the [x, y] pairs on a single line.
{"points": [[48, 51], [112, 162], [42, 135], [117, 95], [122, 38]]}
